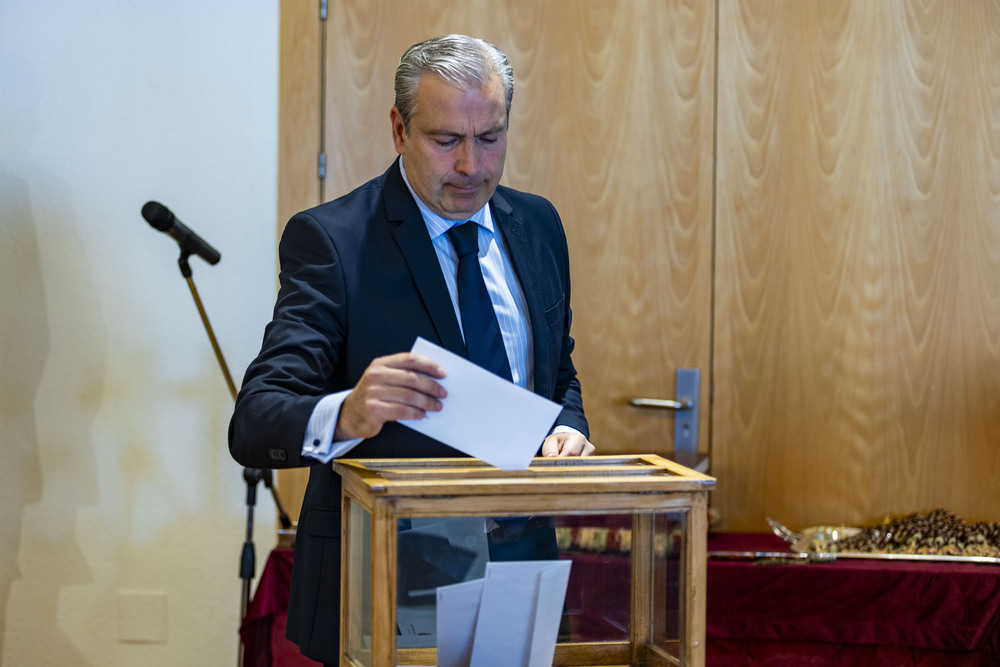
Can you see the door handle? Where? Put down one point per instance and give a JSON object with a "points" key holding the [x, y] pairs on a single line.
{"points": [[685, 405], [661, 403]]}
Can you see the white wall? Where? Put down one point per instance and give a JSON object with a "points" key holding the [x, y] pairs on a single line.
{"points": [[115, 476]]}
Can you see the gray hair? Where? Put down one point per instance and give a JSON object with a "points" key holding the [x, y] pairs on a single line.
{"points": [[467, 63]]}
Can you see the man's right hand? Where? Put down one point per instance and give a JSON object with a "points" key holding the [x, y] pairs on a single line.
{"points": [[399, 386]]}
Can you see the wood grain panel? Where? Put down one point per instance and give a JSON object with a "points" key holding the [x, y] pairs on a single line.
{"points": [[299, 108], [857, 350], [365, 40], [618, 134], [299, 145], [612, 120]]}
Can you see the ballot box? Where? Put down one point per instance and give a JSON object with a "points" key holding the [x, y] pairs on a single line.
{"points": [[633, 529]]}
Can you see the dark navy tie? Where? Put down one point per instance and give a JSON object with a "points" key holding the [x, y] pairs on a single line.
{"points": [[483, 339]]}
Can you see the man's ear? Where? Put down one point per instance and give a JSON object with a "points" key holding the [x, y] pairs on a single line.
{"points": [[398, 130]]}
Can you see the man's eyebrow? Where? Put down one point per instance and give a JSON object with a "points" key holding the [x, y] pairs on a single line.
{"points": [[451, 133]]}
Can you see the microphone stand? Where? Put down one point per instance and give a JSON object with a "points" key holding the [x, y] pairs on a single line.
{"points": [[251, 475]]}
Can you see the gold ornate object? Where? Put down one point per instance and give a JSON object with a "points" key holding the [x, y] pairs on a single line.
{"points": [[936, 535]]}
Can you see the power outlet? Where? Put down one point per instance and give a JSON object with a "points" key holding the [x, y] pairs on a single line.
{"points": [[142, 616]]}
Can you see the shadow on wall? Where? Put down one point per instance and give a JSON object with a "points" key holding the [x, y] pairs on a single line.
{"points": [[24, 339], [32, 521], [49, 471], [24, 346]]}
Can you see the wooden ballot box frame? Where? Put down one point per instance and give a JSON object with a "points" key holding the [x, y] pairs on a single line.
{"points": [[641, 486]]}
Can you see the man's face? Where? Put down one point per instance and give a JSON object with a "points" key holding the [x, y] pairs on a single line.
{"points": [[456, 146]]}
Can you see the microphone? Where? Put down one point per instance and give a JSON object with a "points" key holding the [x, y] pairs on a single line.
{"points": [[161, 218]]}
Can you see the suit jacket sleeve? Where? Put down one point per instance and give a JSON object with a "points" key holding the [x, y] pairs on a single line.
{"points": [[567, 387], [299, 355]]}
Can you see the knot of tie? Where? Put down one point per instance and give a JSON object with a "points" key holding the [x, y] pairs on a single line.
{"points": [[465, 238]]}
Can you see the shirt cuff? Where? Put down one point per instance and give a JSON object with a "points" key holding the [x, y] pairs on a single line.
{"points": [[318, 443]]}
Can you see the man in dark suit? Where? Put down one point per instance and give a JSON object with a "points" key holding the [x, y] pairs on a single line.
{"points": [[364, 275]]}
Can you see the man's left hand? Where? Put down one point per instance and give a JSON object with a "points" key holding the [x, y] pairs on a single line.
{"points": [[567, 444]]}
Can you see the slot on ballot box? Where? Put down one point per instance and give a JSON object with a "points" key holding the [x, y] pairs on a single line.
{"points": [[633, 529]]}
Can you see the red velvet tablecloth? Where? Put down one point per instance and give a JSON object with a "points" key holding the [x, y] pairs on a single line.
{"points": [[263, 629], [849, 612], [858, 613]]}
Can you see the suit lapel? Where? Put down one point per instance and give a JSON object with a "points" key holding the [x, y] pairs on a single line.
{"points": [[522, 257], [410, 235]]}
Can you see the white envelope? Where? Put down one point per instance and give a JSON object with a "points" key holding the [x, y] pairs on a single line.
{"points": [[508, 619], [484, 415], [457, 612], [519, 613]]}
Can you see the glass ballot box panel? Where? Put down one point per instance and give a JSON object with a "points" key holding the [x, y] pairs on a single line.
{"points": [[667, 620], [578, 562], [598, 611], [357, 589]]}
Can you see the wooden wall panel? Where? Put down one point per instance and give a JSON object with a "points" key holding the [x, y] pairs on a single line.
{"points": [[365, 40], [299, 108], [619, 136], [612, 120], [857, 349], [299, 145], [855, 354]]}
